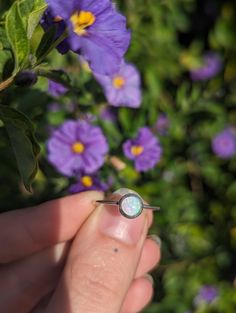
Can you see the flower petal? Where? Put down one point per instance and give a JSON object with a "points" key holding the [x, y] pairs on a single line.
{"points": [[61, 8]]}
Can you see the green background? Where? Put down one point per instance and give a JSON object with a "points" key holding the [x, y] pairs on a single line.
{"points": [[195, 189]]}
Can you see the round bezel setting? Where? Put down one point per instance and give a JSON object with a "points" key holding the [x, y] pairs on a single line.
{"points": [[130, 205]]}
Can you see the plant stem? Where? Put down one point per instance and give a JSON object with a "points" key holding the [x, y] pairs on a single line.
{"points": [[6, 83]]}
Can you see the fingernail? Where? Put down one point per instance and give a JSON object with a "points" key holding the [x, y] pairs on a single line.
{"points": [[149, 278], [156, 239], [116, 226]]}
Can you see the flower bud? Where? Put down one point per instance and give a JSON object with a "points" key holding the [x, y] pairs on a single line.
{"points": [[26, 79]]}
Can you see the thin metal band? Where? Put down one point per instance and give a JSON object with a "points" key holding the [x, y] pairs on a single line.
{"points": [[155, 208], [108, 202], [145, 206]]}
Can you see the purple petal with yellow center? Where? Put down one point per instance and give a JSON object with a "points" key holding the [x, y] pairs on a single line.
{"points": [[123, 88], [88, 182], [145, 150], [96, 31], [76, 146]]}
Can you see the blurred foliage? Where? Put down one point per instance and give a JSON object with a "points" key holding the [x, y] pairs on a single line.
{"points": [[195, 189]]}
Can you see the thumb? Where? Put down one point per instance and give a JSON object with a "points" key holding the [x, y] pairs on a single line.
{"points": [[102, 262]]}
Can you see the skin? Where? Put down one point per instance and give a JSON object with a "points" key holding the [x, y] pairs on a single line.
{"points": [[54, 258]]}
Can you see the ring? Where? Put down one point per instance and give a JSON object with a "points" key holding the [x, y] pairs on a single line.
{"points": [[130, 205]]}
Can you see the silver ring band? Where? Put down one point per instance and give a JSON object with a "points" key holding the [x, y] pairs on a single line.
{"points": [[130, 205]]}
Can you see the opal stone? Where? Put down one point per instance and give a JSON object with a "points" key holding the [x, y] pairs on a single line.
{"points": [[131, 206]]}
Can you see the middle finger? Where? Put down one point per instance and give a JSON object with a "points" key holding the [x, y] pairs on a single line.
{"points": [[150, 256]]}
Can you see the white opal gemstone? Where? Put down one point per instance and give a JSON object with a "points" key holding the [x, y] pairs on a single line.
{"points": [[131, 206]]}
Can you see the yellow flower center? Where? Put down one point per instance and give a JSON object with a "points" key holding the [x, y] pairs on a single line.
{"points": [[81, 20], [137, 150], [118, 82], [78, 147], [87, 181]]}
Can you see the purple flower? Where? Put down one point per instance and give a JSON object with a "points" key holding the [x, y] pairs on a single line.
{"points": [[145, 150], [87, 182], [206, 294], [56, 89], [122, 88], [162, 124], [224, 144], [77, 146], [96, 31], [212, 65]]}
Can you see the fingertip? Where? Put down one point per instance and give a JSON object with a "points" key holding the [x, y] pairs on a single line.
{"points": [[85, 197], [150, 257], [142, 291]]}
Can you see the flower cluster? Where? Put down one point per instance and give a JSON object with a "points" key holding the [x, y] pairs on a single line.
{"points": [[78, 149], [95, 30], [224, 144], [98, 34]]}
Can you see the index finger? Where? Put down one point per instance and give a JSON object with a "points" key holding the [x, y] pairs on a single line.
{"points": [[26, 231]]}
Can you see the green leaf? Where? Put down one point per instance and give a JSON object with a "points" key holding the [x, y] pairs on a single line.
{"points": [[4, 44], [126, 115], [113, 135], [31, 12], [25, 7], [25, 147], [46, 42], [36, 39], [17, 36], [35, 16], [5, 56], [125, 118]]}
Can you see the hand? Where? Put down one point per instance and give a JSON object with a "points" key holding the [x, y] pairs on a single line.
{"points": [[69, 255]]}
